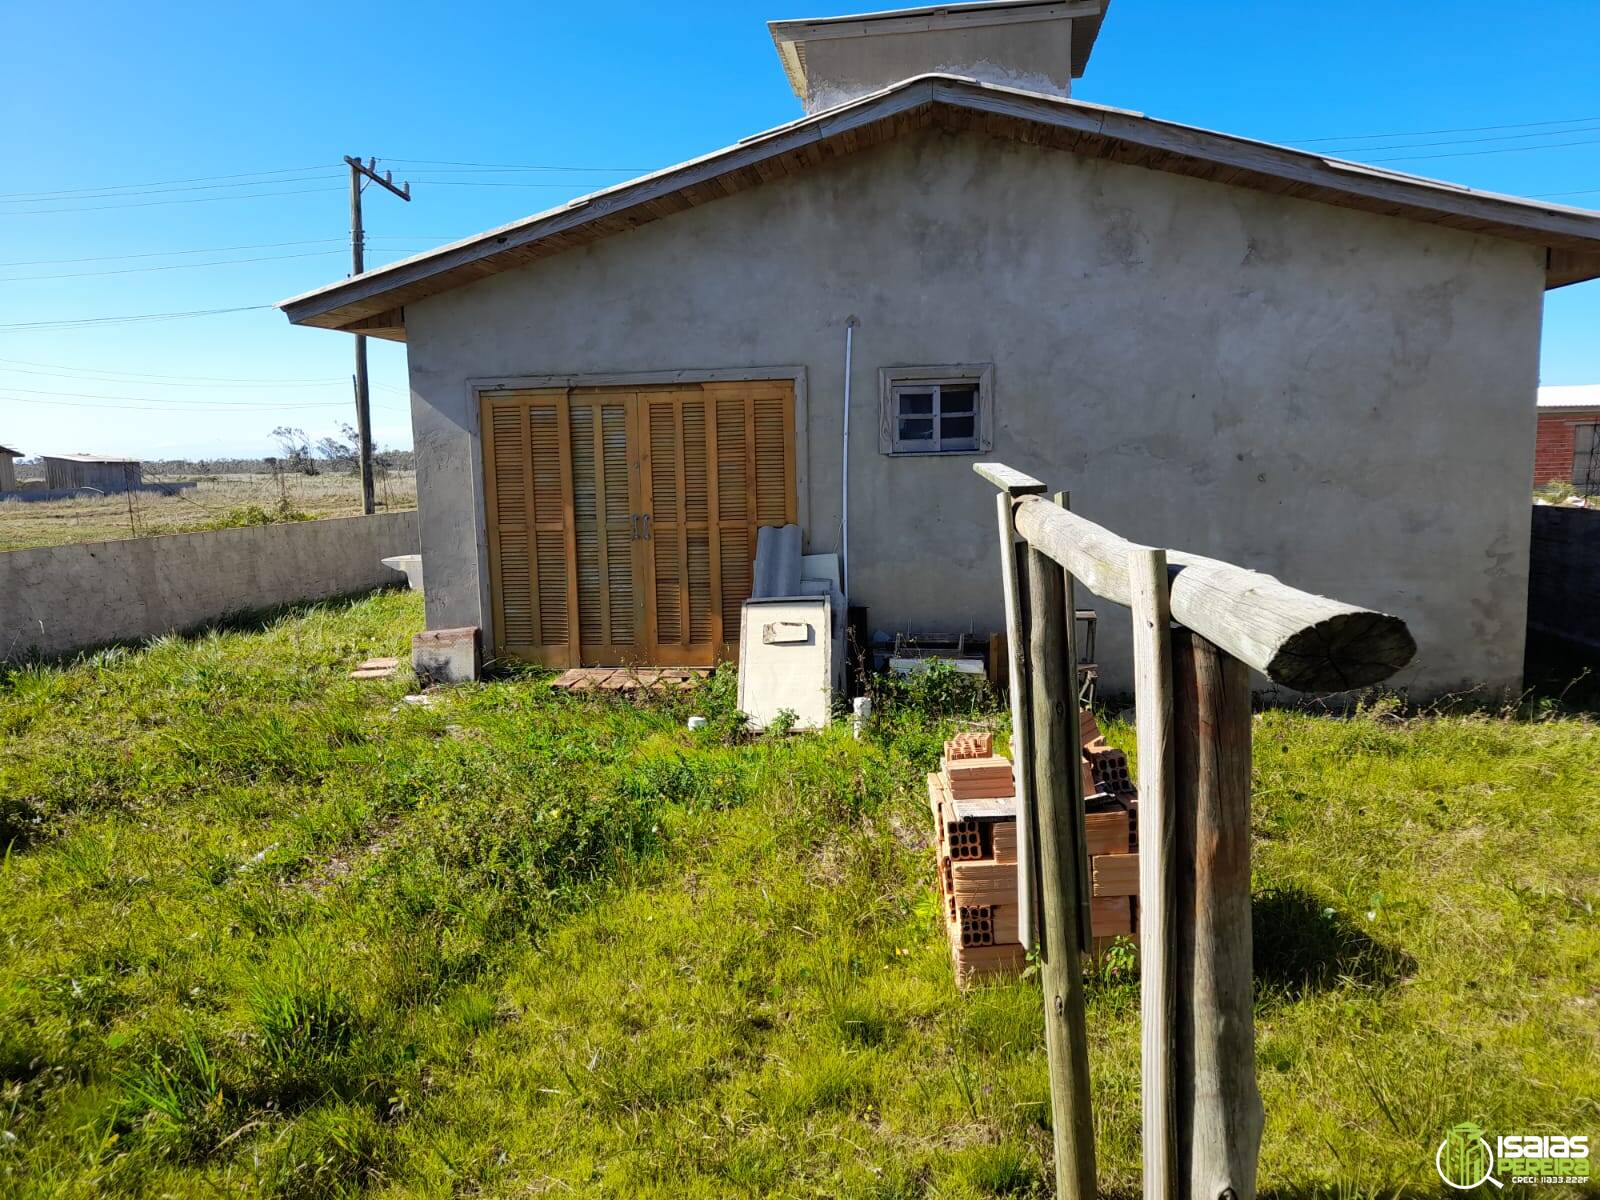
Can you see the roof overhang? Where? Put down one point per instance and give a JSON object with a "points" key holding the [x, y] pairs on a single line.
{"points": [[374, 303], [1569, 398]]}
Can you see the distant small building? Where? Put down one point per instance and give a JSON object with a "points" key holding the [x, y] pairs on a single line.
{"points": [[8, 468], [63, 472], [1568, 445]]}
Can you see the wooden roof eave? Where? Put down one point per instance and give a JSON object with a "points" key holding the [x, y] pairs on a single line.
{"points": [[377, 298]]}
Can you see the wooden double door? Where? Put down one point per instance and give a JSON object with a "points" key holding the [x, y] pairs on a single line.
{"points": [[622, 521]]}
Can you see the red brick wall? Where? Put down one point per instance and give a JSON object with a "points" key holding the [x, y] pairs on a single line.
{"points": [[1552, 452]]}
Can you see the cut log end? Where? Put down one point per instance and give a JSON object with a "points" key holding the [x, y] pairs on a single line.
{"points": [[1349, 650]]}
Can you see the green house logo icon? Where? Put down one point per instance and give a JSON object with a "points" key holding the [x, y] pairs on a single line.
{"points": [[1464, 1159]]}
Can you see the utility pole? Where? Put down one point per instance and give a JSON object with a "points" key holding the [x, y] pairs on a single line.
{"points": [[358, 172]]}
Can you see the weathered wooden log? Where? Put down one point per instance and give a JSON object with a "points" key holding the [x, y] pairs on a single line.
{"points": [[1296, 639], [1053, 688], [1219, 1112], [1158, 870]]}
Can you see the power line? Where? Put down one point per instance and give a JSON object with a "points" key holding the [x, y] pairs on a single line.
{"points": [[165, 182], [121, 320], [1480, 153], [73, 197], [62, 262], [437, 162], [489, 183], [219, 407], [220, 262], [163, 399], [33, 212], [186, 379], [1505, 137], [1359, 137]]}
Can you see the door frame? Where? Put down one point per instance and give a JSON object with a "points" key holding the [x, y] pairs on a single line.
{"points": [[479, 387]]}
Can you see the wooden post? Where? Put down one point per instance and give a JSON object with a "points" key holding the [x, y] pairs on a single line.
{"points": [[358, 242], [1158, 880], [1017, 679], [1057, 783], [1219, 1107], [1080, 834]]}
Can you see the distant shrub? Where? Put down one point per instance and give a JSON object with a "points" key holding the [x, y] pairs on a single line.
{"points": [[248, 515]]}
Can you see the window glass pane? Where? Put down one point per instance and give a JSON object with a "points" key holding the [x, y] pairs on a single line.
{"points": [[1583, 438], [916, 429], [916, 404], [957, 428], [958, 399]]}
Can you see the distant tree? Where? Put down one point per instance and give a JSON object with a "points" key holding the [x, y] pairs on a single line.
{"points": [[296, 449], [340, 451]]}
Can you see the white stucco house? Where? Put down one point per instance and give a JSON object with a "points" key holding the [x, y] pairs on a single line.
{"points": [[1316, 368]]}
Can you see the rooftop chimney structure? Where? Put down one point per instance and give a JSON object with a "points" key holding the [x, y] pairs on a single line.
{"points": [[1037, 47]]}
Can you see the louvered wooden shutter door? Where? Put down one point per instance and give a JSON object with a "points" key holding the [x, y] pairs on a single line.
{"points": [[576, 579], [525, 500], [753, 449], [603, 527], [681, 596]]}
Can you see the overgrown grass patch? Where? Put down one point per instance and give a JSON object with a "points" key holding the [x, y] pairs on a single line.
{"points": [[270, 932]]}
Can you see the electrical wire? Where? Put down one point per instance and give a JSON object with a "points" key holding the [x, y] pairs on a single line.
{"points": [[197, 380], [1507, 137], [153, 399], [166, 182], [437, 162], [219, 407], [221, 262], [1358, 137], [34, 212], [1480, 153], [70, 197], [64, 262], [81, 322], [342, 241]]}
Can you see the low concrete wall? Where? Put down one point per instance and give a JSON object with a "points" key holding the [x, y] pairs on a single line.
{"points": [[60, 599], [1564, 576]]}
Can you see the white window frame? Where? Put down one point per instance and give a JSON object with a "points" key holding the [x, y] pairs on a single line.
{"points": [[894, 380]]}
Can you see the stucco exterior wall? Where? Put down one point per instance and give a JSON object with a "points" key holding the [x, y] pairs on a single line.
{"points": [[60, 599], [1343, 399]]}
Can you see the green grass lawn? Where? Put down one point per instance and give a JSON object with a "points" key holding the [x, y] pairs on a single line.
{"points": [[268, 931]]}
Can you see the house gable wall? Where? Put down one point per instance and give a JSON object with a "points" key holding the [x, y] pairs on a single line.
{"points": [[1343, 399]]}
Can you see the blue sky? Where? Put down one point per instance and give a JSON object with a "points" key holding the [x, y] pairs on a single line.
{"points": [[122, 120]]}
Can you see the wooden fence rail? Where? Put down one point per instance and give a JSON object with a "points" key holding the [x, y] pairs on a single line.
{"points": [[1199, 626]]}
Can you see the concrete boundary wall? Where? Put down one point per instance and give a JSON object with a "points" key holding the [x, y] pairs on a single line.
{"points": [[60, 599]]}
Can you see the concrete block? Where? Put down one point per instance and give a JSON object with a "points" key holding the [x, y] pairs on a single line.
{"points": [[447, 655]]}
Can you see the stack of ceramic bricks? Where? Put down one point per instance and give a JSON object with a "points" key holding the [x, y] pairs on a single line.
{"points": [[973, 800], [1111, 814]]}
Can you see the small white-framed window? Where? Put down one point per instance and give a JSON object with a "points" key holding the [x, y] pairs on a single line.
{"points": [[936, 410]]}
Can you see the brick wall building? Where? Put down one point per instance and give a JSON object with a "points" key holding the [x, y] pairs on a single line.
{"points": [[1566, 448]]}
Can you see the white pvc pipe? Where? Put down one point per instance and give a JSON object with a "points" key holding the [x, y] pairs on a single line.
{"points": [[844, 468]]}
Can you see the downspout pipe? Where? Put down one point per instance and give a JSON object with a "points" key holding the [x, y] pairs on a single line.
{"points": [[850, 327]]}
